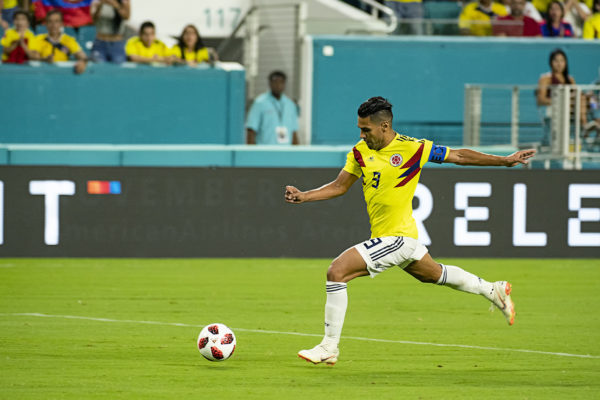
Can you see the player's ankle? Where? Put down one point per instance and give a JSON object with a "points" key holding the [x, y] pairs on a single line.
{"points": [[330, 344]]}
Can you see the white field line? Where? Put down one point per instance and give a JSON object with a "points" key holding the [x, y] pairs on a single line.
{"points": [[464, 346]]}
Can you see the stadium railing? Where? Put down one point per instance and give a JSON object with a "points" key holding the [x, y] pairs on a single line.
{"points": [[509, 114]]}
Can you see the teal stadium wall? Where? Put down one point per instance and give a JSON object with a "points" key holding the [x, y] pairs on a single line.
{"points": [[424, 79], [121, 105], [143, 116]]}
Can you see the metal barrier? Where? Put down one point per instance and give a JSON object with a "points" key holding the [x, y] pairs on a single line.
{"points": [[492, 111]]}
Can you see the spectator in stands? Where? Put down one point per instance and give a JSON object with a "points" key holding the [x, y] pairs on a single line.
{"points": [[56, 46], [19, 45], [576, 13], [475, 18], [555, 26], [558, 75], [109, 17], [529, 11], [516, 24], [407, 9], [145, 48], [190, 49], [273, 117], [591, 27], [8, 8]]}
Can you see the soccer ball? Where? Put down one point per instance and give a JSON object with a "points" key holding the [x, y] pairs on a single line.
{"points": [[216, 342]]}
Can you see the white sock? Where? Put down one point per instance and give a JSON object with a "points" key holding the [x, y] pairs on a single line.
{"points": [[459, 279], [335, 311]]}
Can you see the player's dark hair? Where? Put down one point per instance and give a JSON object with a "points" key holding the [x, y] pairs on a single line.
{"points": [[378, 108], [596, 7], [52, 12], [565, 73], [147, 24], [279, 74]]}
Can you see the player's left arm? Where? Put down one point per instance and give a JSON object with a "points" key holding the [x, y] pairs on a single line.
{"points": [[472, 157], [336, 188]]}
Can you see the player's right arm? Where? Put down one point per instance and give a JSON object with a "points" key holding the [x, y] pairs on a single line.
{"points": [[476, 158], [338, 187]]}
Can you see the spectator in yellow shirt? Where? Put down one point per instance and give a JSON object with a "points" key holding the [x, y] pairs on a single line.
{"points": [[8, 8], [591, 27], [475, 18], [56, 46], [190, 49], [145, 48], [19, 44]]}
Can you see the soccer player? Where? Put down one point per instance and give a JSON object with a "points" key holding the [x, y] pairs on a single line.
{"points": [[390, 165]]}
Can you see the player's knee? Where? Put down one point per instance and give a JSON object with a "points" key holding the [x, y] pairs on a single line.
{"points": [[335, 273]]}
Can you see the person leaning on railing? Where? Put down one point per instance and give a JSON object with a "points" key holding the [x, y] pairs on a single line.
{"points": [[190, 49], [591, 27], [558, 75], [146, 49], [56, 46]]}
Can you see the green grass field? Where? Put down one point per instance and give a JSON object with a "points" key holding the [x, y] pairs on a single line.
{"points": [[275, 307]]}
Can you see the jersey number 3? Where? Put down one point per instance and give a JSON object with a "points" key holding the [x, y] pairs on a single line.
{"points": [[376, 178]]}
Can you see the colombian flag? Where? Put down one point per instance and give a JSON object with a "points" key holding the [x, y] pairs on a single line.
{"points": [[75, 12]]}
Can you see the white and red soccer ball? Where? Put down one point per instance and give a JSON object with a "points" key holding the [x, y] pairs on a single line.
{"points": [[216, 342]]}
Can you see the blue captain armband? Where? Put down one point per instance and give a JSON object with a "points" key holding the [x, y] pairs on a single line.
{"points": [[437, 154]]}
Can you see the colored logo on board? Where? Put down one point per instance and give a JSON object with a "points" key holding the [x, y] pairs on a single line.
{"points": [[104, 187]]}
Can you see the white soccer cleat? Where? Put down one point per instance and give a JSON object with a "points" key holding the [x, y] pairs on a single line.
{"points": [[503, 301], [319, 354]]}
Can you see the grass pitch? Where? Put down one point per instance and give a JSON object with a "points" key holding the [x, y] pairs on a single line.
{"points": [[136, 338]]}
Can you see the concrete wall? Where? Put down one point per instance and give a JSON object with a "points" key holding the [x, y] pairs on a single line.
{"points": [[424, 78], [122, 105]]}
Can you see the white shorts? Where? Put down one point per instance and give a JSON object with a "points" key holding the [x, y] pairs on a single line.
{"points": [[390, 251]]}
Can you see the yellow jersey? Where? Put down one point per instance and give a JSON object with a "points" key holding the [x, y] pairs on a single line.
{"points": [[541, 5], [199, 56], [135, 47], [591, 27], [477, 20], [11, 35], [8, 4], [61, 50], [389, 178]]}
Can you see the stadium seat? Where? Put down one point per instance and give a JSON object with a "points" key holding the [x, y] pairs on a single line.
{"points": [[442, 10], [39, 29], [86, 36]]}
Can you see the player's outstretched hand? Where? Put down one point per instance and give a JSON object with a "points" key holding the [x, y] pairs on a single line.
{"points": [[520, 157], [293, 195]]}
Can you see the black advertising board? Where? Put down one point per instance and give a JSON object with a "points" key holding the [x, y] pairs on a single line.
{"points": [[240, 212]]}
